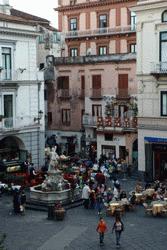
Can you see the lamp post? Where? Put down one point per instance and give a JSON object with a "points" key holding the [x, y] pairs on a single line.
{"points": [[40, 114]]}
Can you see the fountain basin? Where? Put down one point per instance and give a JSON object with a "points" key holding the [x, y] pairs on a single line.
{"points": [[52, 197]]}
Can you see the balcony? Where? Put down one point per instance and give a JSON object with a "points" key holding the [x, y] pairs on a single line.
{"points": [[89, 121], [111, 123], [123, 94], [117, 123], [159, 69], [64, 93], [94, 59], [100, 32], [96, 94], [8, 124]]}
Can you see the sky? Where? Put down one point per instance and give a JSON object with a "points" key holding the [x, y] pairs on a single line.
{"points": [[39, 8]]}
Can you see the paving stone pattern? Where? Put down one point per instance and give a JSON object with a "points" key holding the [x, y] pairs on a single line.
{"points": [[78, 231]]}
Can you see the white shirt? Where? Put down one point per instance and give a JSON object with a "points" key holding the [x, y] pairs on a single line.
{"points": [[85, 192]]}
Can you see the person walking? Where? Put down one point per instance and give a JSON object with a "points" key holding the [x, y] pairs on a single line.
{"points": [[101, 229], [118, 227], [22, 202], [85, 195]]}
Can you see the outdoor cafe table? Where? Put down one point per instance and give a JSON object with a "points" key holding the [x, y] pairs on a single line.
{"points": [[158, 206], [139, 196], [114, 205], [149, 191]]}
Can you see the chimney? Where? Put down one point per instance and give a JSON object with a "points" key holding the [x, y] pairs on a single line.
{"points": [[5, 2], [5, 7]]}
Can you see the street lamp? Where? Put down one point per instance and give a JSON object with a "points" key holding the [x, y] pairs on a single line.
{"points": [[40, 114]]}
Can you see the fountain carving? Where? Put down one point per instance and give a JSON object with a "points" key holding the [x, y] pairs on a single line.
{"points": [[54, 188]]}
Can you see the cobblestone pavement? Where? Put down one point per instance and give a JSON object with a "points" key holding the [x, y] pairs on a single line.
{"points": [[78, 231]]}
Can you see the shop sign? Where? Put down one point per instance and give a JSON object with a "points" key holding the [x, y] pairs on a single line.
{"points": [[155, 139]]}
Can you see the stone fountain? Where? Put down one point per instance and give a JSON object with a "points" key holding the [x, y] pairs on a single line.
{"points": [[55, 188]]}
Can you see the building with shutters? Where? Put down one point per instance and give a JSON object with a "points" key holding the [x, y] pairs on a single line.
{"points": [[92, 103], [152, 82], [22, 130]]}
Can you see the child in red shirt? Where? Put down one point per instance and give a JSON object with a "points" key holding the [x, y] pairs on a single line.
{"points": [[101, 229]]}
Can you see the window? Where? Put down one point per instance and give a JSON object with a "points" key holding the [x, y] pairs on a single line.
{"points": [[73, 52], [66, 117], [83, 86], [6, 63], [133, 20], [164, 16], [102, 50], [108, 137], [73, 24], [63, 82], [102, 21], [123, 85], [96, 110], [163, 50], [132, 48], [8, 106], [96, 86], [49, 118], [164, 103]]}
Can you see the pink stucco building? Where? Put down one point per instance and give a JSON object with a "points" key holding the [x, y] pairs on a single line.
{"points": [[92, 103]]}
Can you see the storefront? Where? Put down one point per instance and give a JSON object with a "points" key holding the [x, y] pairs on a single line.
{"points": [[156, 158], [12, 154]]}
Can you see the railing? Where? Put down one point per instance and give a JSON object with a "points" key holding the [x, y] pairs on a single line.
{"points": [[94, 59], [21, 74], [89, 120], [64, 93], [12, 123], [159, 68], [96, 93], [124, 93], [117, 122], [100, 31], [124, 123]]}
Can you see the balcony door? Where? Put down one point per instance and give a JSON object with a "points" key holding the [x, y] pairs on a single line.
{"points": [[96, 86], [6, 63], [63, 86], [163, 51], [123, 85], [8, 110]]}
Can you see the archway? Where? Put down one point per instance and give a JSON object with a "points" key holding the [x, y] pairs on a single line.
{"points": [[12, 149]]}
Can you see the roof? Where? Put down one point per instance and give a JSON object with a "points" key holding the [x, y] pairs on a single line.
{"points": [[32, 18], [28, 16], [15, 19]]}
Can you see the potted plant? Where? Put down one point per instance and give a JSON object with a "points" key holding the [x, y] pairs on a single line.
{"points": [[59, 211]]}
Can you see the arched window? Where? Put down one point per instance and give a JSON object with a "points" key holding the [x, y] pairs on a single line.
{"points": [[164, 16]]}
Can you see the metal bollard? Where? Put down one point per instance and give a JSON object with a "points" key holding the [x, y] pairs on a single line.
{"points": [[50, 212]]}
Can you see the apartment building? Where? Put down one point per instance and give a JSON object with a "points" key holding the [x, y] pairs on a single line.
{"points": [[21, 90], [92, 103], [152, 92]]}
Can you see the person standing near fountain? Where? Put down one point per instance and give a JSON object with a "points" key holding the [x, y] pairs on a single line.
{"points": [[85, 195]]}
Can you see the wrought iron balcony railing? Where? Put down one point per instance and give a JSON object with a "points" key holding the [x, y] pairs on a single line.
{"points": [[96, 93], [125, 123], [64, 93], [112, 122], [11, 123], [159, 68], [100, 31], [94, 59]]}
